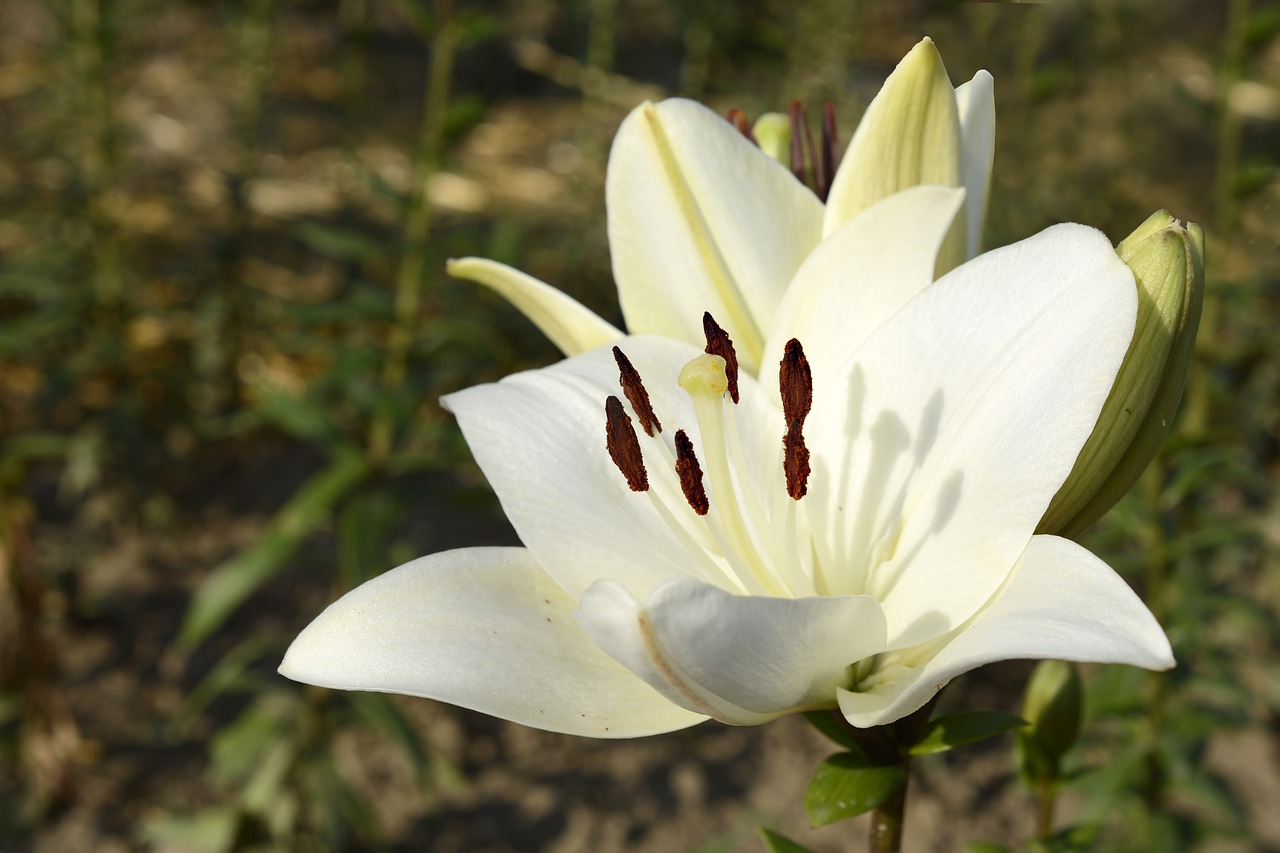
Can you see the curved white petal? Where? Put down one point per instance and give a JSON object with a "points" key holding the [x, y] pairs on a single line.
{"points": [[862, 274], [976, 102], [740, 659], [569, 324], [702, 220], [942, 442], [909, 135], [539, 437], [484, 628], [1061, 602]]}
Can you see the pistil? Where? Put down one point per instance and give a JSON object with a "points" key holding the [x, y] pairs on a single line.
{"points": [[706, 382]]}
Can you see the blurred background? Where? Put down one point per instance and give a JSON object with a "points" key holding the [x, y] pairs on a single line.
{"points": [[224, 327]]}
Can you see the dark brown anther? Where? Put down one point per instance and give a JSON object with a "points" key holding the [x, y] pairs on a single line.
{"points": [[795, 461], [623, 446], [690, 474], [830, 151], [795, 383], [637, 396], [719, 343], [738, 119]]}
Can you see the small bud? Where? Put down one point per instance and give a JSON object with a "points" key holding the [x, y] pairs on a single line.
{"points": [[773, 134], [1052, 706], [1167, 260]]}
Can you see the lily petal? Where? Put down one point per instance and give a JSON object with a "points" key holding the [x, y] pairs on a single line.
{"points": [[741, 659], [1061, 602], [484, 628], [862, 274], [569, 324], [539, 437], [702, 220], [909, 135], [976, 101], [938, 450]]}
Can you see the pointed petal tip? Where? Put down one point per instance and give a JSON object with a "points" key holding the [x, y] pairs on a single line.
{"points": [[924, 51]]}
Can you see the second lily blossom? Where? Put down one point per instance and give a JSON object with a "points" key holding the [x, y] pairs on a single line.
{"points": [[701, 219]]}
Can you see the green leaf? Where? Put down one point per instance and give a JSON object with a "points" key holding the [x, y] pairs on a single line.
{"points": [[777, 843], [341, 243], [209, 831], [825, 722], [237, 749], [365, 526], [376, 710], [300, 417], [965, 727], [846, 785], [239, 577], [232, 672]]}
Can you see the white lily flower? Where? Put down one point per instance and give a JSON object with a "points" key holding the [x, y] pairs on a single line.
{"points": [[700, 219], [851, 536]]}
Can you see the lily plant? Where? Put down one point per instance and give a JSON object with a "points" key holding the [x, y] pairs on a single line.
{"points": [[700, 218], [849, 532], [814, 476]]}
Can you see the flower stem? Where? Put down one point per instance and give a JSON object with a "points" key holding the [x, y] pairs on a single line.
{"points": [[887, 819], [1046, 800], [410, 274], [889, 745]]}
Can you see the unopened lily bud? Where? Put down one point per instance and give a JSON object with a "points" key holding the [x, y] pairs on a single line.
{"points": [[1052, 706], [773, 134], [1167, 260]]}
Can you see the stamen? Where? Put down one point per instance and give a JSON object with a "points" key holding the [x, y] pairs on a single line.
{"points": [[719, 343], [830, 151], [623, 446], [637, 396], [738, 119], [705, 380], [811, 154], [795, 461], [795, 383], [796, 113], [690, 474]]}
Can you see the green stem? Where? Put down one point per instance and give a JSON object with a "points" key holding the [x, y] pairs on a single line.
{"points": [[888, 745], [233, 313], [1046, 800], [1232, 69], [98, 154], [409, 275], [1157, 594], [888, 817]]}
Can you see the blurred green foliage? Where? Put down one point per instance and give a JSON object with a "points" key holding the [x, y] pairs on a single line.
{"points": [[222, 236]]}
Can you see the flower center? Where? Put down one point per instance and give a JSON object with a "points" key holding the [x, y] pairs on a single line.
{"points": [[733, 532], [813, 165]]}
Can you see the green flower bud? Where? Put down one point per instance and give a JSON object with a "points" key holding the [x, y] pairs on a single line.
{"points": [[1052, 706], [1167, 260], [773, 134]]}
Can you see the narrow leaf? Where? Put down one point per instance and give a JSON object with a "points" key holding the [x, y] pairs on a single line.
{"points": [[777, 843], [846, 786], [965, 727], [239, 577], [343, 243]]}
